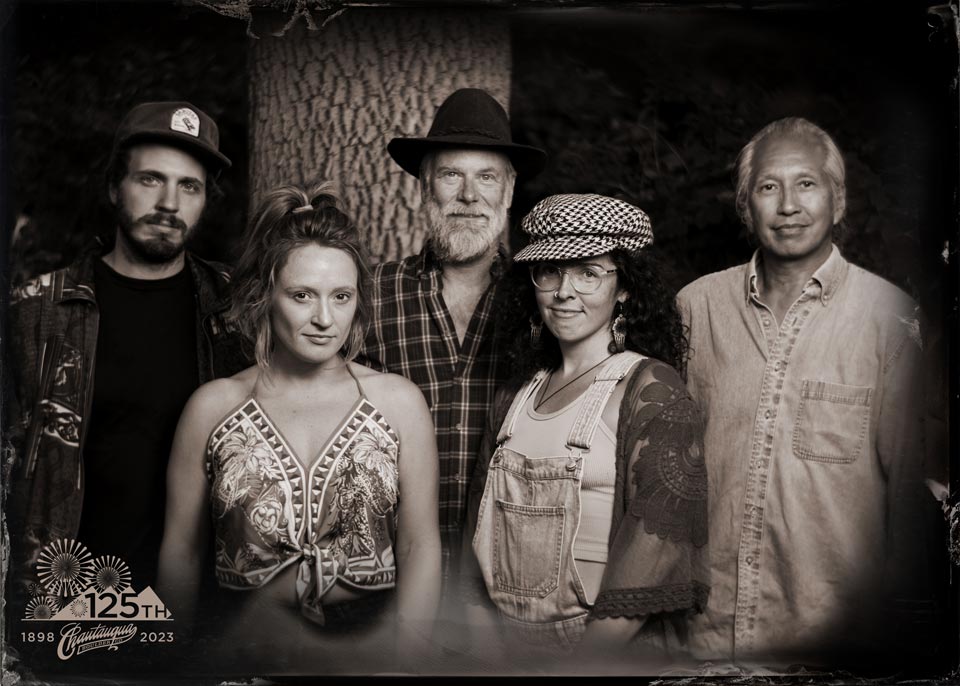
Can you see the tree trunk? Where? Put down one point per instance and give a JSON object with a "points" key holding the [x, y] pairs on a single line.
{"points": [[325, 103]]}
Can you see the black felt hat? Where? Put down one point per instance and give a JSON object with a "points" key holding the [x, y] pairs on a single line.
{"points": [[468, 118]]}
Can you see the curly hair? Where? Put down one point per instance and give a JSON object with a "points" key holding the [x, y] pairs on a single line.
{"points": [[653, 324], [288, 218]]}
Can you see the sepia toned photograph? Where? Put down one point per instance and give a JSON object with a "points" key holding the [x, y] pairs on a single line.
{"points": [[525, 338]]}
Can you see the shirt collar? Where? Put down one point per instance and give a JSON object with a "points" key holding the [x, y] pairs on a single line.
{"points": [[750, 285], [828, 275], [429, 262]]}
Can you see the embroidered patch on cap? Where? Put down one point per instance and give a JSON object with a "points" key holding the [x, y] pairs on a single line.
{"points": [[186, 121]]}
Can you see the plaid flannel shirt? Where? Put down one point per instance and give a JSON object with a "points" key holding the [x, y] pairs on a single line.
{"points": [[412, 334]]}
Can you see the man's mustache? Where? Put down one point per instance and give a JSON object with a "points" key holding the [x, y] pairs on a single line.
{"points": [[464, 212], [163, 219]]}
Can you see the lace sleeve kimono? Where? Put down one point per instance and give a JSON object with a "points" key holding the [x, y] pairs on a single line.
{"points": [[657, 561]]}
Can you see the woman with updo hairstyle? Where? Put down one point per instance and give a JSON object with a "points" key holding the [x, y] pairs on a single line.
{"points": [[587, 511], [319, 476]]}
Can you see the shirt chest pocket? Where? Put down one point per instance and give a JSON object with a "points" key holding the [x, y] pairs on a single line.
{"points": [[832, 422]]}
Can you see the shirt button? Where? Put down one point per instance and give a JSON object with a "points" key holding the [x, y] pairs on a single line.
{"points": [[749, 560], [767, 414], [459, 426], [457, 379]]}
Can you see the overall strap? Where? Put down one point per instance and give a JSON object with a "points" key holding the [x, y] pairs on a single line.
{"points": [[595, 399], [528, 389]]}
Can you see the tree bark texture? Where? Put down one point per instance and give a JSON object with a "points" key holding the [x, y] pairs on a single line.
{"points": [[325, 103]]}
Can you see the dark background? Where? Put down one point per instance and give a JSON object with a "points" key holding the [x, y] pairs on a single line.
{"points": [[76, 69], [650, 105], [653, 107]]}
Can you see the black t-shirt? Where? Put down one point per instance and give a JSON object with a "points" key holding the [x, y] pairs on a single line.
{"points": [[146, 368]]}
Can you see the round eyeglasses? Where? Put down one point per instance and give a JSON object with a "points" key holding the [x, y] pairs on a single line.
{"points": [[585, 278]]}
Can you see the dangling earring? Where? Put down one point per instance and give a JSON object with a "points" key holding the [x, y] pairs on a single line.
{"points": [[619, 330], [536, 326]]}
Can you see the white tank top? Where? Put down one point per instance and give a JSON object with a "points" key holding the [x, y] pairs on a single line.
{"points": [[537, 434]]}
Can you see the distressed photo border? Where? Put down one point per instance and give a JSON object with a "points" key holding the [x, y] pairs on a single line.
{"points": [[263, 20]]}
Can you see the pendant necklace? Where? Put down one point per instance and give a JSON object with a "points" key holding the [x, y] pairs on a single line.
{"points": [[578, 376]]}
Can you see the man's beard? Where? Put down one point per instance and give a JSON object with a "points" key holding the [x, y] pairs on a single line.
{"points": [[462, 242], [158, 249]]}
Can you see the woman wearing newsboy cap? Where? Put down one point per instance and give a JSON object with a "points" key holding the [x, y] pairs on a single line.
{"points": [[588, 507]]}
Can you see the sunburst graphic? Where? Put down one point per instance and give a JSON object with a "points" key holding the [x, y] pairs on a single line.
{"points": [[65, 567], [112, 573], [78, 608], [35, 590], [42, 607]]}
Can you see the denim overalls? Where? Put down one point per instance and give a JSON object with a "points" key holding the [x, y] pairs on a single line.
{"points": [[528, 521]]}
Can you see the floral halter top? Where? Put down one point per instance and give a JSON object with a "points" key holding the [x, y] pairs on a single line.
{"points": [[336, 518]]}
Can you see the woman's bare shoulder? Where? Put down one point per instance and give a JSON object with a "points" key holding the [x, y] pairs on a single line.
{"points": [[215, 398], [391, 393]]}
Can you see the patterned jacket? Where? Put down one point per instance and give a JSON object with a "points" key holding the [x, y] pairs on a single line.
{"points": [[53, 322]]}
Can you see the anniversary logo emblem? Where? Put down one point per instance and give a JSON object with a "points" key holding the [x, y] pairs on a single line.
{"points": [[82, 603]]}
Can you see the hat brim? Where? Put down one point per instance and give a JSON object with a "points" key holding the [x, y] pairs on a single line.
{"points": [[567, 248], [213, 159], [409, 152]]}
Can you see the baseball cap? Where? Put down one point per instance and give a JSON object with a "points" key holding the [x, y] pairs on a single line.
{"points": [[178, 122]]}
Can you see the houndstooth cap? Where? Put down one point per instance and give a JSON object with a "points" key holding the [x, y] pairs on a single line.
{"points": [[571, 226]]}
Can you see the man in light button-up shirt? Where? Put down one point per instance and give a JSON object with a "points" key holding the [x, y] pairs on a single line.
{"points": [[806, 368]]}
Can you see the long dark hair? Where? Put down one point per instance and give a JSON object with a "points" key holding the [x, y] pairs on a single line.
{"points": [[653, 324]]}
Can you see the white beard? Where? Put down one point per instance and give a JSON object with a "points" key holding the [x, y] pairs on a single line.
{"points": [[457, 242]]}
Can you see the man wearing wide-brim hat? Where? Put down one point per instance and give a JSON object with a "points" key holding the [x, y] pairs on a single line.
{"points": [[433, 312]]}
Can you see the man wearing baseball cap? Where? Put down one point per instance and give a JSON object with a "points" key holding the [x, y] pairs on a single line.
{"points": [[106, 351], [432, 318]]}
